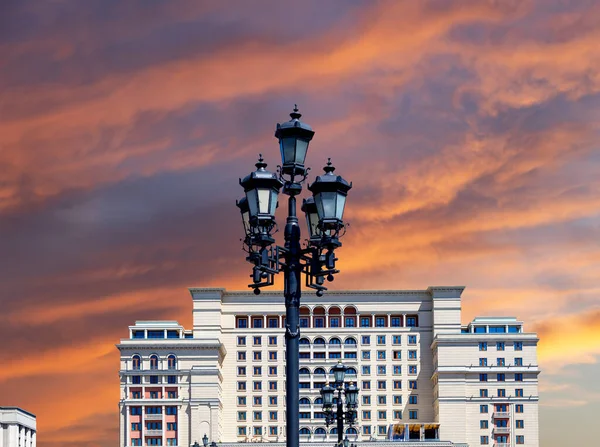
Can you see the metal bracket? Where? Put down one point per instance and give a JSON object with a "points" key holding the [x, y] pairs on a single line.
{"points": [[290, 334]]}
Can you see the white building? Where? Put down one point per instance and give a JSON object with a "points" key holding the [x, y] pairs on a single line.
{"points": [[422, 376], [17, 428]]}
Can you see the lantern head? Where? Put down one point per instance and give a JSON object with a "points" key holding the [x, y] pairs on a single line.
{"points": [[339, 372], [294, 137], [327, 395]]}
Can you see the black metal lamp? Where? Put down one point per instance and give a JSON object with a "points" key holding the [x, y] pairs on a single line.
{"points": [[262, 189], [294, 137], [329, 192], [327, 395], [242, 204], [339, 371], [352, 396], [204, 440], [346, 441], [312, 218]]}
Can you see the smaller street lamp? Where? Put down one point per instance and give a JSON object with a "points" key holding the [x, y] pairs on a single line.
{"points": [[294, 137], [205, 440], [351, 394], [346, 441]]}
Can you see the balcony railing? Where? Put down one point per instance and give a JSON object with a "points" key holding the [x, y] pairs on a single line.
{"points": [[154, 432], [502, 444], [501, 414], [153, 417], [501, 430]]}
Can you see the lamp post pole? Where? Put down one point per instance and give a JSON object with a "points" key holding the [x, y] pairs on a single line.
{"points": [[324, 216], [339, 416]]}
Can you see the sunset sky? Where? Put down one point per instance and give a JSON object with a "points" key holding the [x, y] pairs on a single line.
{"points": [[470, 130]]}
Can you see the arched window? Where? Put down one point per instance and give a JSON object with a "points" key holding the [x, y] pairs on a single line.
{"points": [[320, 371], [304, 371], [304, 401], [351, 431], [153, 362], [319, 401], [333, 431], [335, 341], [319, 341], [136, 362], [304, 341], [350, 341], [320, 431], [304, 431], [172, 362], [351, 371]]}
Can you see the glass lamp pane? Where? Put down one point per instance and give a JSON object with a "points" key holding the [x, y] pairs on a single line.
{"points": [[263, 201], [252, 202], [328, 199], [288, 149], [341, 202], [246, 221], [301, 148], [313, 222], [273, 203]]}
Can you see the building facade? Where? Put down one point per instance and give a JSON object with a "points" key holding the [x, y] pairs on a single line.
{"points": [[422, 376], [17, 428]]}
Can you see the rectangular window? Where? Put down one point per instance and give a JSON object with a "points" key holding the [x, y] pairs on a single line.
{"points": [[272, 370], [413, 414], [272, 415], [350, 322], [136, 426], [501, 392], [319, 322], [365, 340], [381, 370], [156, 334], [257, 355], [381, 384], [272, 431], [500, 346], [335, 355], [500, 361], [241, 400], [172, 394], [334, 322], [366, 415], [272, 355], [482, 362], [519, 392], [412, 370], [380, 355], [501, 377], [272, 341], [349, 355], [366, 429], [257, 401], [483, 346], [483, 392], [396, 322], [411, 322], [241, 355], [153, 394], [257, 340], [136, 441], [382, 415], [154, 379], [397, 414], [519, 408], [412, 384], [397, 370], [382, 430], [366, 384], [520, 423], [397, 339], [304, 415], [241, 371], [366, 400], [257, 322], [257, 385], [273, 385], [257, 431], [171, 425], [171, 379], [273, 322], [412, 355], [136, 380], [518, 345], [365, 322], [257, 416], [136, 394], [483, 424], [397, 355], [397, 384], [241, 386], [366, 355], [366, 370], [381, 339], [483, 408], [518, 361], [241, 322], [520, 439], [241, 341], [153, 410], [304, 322], [171, 410], [381, 400], [485, 440], [413, 399], [397, 399], [272, 400], [483, 377], [241, 431], [518, 377], [380, 321], [412, 339]]}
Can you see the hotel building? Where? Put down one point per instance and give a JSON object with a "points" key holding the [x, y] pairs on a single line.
{"points": [[17, 428], [423, 377]]}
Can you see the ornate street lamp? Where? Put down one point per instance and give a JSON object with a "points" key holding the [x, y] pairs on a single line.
{"points": [[339, 415], [205, 440], [324, 214]]}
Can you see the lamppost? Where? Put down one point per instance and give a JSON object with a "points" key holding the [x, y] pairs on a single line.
{"points": [[205, 442], [351, 393], [324, 216]]}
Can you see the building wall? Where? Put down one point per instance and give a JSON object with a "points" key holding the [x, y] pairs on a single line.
{"points": [[17, 428], [208, 367]]}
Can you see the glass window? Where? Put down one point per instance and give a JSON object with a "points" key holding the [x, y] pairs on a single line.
{"points": [[397, 384], [257, 340], [241, 322], [412, 339], [483, 346], [366, 370], [381, 384], [484, 440], [303, 322], [381, 339], [350, 322], [241, 400], [241, 341], [482, 362], [520, 439], [319, 322], [366, 415], [382, 415], [413, 399], [413, 414], [334, 322], [272, 341], [501, 392], [518, 377], [520, 423], [411, 321], [412, 369], [412, 384], [483, 377], [365, 340], [396, 322], [483, 424], [381, 400], [366, 400], [483, 408], [519, 408], [412, 355], [501, 377], [518, 361], [366, 355], [365, 322], [380, 355], [273, 322], [397, 370], [241, 355], [500, 346], [518, 345], [396, 339], [380, 321], [519, 392]]}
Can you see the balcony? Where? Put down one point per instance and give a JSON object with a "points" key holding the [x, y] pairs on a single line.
{"points": [[153, 417], [502, 444], [501, 430], [153, 432], [501, 415]]}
